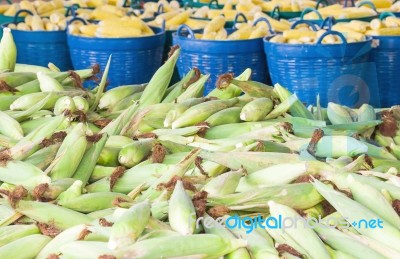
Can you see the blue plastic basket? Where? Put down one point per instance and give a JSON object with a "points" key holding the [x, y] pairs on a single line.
{"points": [[134, 60], [386, 56], [216, 57], [41, 47], [339, 73]]}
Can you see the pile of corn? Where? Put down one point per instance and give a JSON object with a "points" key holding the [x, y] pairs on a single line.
{"points": [[56, 22], [42, 8], [288, 5], [92, 3], [125, 27], [151, 9], [102, 12], [390, 26], [146, 171], [215, 30], [176, 18], [337, 11], [385, 5]]}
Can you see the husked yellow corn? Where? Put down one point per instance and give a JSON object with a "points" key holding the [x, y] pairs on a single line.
{"points": [[74, 29], [117, 32], [376, 24], [23, 27], [12, 26], [51, 27], [12, 10], [221, 34], [278, 39], [37, 23], [296, 34], [392, 22], [116, 22], [165, 16], [384, 32], [349, 33], [88, 30], [215, 24], [209, 36], [196, 24], [179, 19], [259, 32], [229, 14], [241, 34]]}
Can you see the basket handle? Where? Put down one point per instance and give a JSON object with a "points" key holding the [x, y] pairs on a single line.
{"points": [[160, 9], [72, 9], [213, 3], [187, 28], [383, 15], [77, 19], [319, 2], [344, 41], [263, 19], [312, 25], [237, 16], [367, 3], [352, 3], [276, 13], [20, 12], [135, 4], [310, 10], [329, 21]]}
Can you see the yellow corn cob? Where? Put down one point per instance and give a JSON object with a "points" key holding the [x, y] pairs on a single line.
{"points": [[196, 24], [331, 7], [4, 8], [117, 32], [45, 7], [95, 3], [74, 29], [382, 3], [12, 10], [297, 34], [376, 24], [12, 26], [359, 26], [221, 34], [23, 27], [278, 26], [278, 39], [354, 12], [209, 36], [112, 9], [198, 36], [51, 27], [228, 5], [329, 39], [307, 40], [201, 12], [241, 34], [384, 32], [58, 11], [165, 16], [349, 33], [259, 32], [229, 14], [295, 7], [98, 14], [62, 24], [88, 30], [28, 20], [27, 6], [268, 6], [37, 23], [215, 24], [146, 30], [392, 22], [294, 41], [55, 17], [134, 22], [179, 19]]}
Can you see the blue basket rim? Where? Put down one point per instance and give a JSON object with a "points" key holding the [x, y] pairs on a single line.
{"points": [[265, 40], [4, 25], [162, 32]]}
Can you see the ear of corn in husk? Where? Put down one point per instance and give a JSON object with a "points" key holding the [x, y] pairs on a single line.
{"points": [[8, 51]]}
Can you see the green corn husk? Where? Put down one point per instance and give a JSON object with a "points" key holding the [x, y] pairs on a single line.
{"points": [[126, 102], [195, 90], [133, 154], [298, 196], [24, 115], [7, 142], [282, 108], [223, 184], [89, 159], [65, 237], [250, 88], [34, 85], [43, 158], [260, 244], [55, 188], [374, 200], [61, 218], [6, 99], [81, 103], [73, 199], [127, 229], [359, 127], [181, 211], [337, 146], [270, 146], [21, 173], [177, 170], [27, 101], [178, 109], [108, 157], [180, 87], [14, 249], [201, 112], [8, 52], [193, 246], [236, 129], [112, 97], [304, 236], [338, 114], [9, 127], [14, 79], [209, 225], [185, 132], [354, 212], [256, 110], [100, 172], [117, 125], [102, 86], [226, 116], [251, 161], [366, 113], [272, 176], [30, 68], [70, 153], [11, 233], [156, 116], [231, 90], [342, 242], [48, 83], [85, 249], [298, 109], [158, 84], [64, 103], [132, 178]]}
